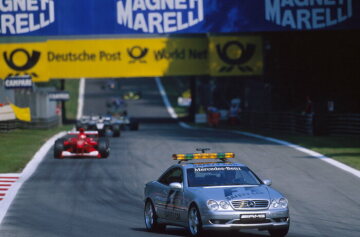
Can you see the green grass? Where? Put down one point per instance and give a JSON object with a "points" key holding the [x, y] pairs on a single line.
{"points": [[19, 146], [72, 86], [345, 149]]}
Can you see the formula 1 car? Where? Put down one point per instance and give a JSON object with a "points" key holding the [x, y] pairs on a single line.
{"points": [[105, 125], [127, 122], [214, 196], [82, 144], [131, 95]]}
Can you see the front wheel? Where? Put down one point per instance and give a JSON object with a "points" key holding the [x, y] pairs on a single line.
{"points": [[58, 148], [194, 221], [103, 147], [116, 131], [151, 218]]}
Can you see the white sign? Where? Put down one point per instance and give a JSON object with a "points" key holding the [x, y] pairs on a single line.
{"points": [[159, 16], [18, 82], [23, 16], [59, 96], [307, 14]]}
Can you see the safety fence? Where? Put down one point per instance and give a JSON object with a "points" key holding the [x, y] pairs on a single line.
{"points": [[284, 122], [47, 123], [309, 124], [343, 124]]}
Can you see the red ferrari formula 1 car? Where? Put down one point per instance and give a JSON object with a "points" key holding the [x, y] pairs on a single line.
{"points": [[82, 144]]}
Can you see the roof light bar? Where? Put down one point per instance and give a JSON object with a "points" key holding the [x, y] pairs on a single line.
{"points": [[195, 156]]}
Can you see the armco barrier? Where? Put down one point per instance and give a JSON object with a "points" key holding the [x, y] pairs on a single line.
{"points": [[6, 126], [285, 122], [310, 124], [41, 123], [338, 124]]}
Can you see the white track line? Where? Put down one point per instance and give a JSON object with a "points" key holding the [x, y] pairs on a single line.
{"points": [[285, 143], [36, 160], [26, 174], [81, 98], [165, 98]]}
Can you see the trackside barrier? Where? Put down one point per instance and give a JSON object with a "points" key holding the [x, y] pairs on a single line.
{"points": [[285, 122], [343, 124], [310, 124], [6, 126]]}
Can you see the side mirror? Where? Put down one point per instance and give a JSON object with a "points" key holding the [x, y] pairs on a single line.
{"points": [[267, 182], [176, 185]]}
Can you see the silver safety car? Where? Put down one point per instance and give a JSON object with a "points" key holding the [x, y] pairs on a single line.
{"points": [[216, 195]]}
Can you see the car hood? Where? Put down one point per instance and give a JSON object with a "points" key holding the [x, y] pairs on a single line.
{"points": [[233, 192]]}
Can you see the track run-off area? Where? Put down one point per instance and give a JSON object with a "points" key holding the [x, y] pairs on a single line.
{"points": [[104, 197]]}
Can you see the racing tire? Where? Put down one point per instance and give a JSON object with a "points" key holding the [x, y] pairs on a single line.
{"points": [[116, 131], [103, 147], [194, 221], [58, 148], [150, 218], [134, 125], [108, 133], [279, 232]]}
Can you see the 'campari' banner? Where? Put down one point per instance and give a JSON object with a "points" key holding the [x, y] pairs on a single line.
{"points": [[99, 17]]}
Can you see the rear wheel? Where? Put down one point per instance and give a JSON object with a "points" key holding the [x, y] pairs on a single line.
{"points": [[194, 221], [103, 147], [150, 217], [116, 131], [58, 148], [108, 132], [134, 125]]}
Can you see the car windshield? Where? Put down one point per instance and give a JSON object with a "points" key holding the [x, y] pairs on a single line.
{"points": [[221, 176]]}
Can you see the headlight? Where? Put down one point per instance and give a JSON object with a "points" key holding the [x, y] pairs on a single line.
{"points": [[216, 205], [224, 204], [279, 203], [213, 205]]}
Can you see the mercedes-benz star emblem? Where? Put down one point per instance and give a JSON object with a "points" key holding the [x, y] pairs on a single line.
{"points": [[251, 204]]}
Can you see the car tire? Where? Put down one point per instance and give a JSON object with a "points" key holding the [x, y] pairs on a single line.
{"points": [[279, 232], [108, 132], [194, 221], [58, 148], [116, 131], [103, 147], [150, 218], [134, 125]]}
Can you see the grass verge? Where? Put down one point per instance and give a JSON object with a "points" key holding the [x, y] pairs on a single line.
{"points": [[19, 146], [345, 149]]}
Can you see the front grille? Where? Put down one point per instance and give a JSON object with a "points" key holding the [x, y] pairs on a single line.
{"points": [[250, 204], [252, 221]]}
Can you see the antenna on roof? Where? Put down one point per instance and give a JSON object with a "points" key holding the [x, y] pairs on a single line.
{"points": [[203, 149]]}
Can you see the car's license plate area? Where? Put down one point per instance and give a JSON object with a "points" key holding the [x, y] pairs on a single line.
{"points": [[252, 218]]}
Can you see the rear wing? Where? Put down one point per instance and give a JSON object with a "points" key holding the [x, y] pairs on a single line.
{"points": [[86, 133]]}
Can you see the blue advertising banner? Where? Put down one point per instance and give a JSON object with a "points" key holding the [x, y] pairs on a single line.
{"points": [[107, 17]]}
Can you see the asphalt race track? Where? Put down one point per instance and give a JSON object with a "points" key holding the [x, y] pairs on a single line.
{"points": [[103, 197]]}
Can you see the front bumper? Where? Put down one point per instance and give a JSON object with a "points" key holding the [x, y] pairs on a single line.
{"points": [[231, 219]]}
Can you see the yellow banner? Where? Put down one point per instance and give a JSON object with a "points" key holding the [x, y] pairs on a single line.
{"points": [[111, 58], [235, 55], [24, 59]]}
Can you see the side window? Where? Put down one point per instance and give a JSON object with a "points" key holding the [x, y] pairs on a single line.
{"points": [[173, 175]]}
